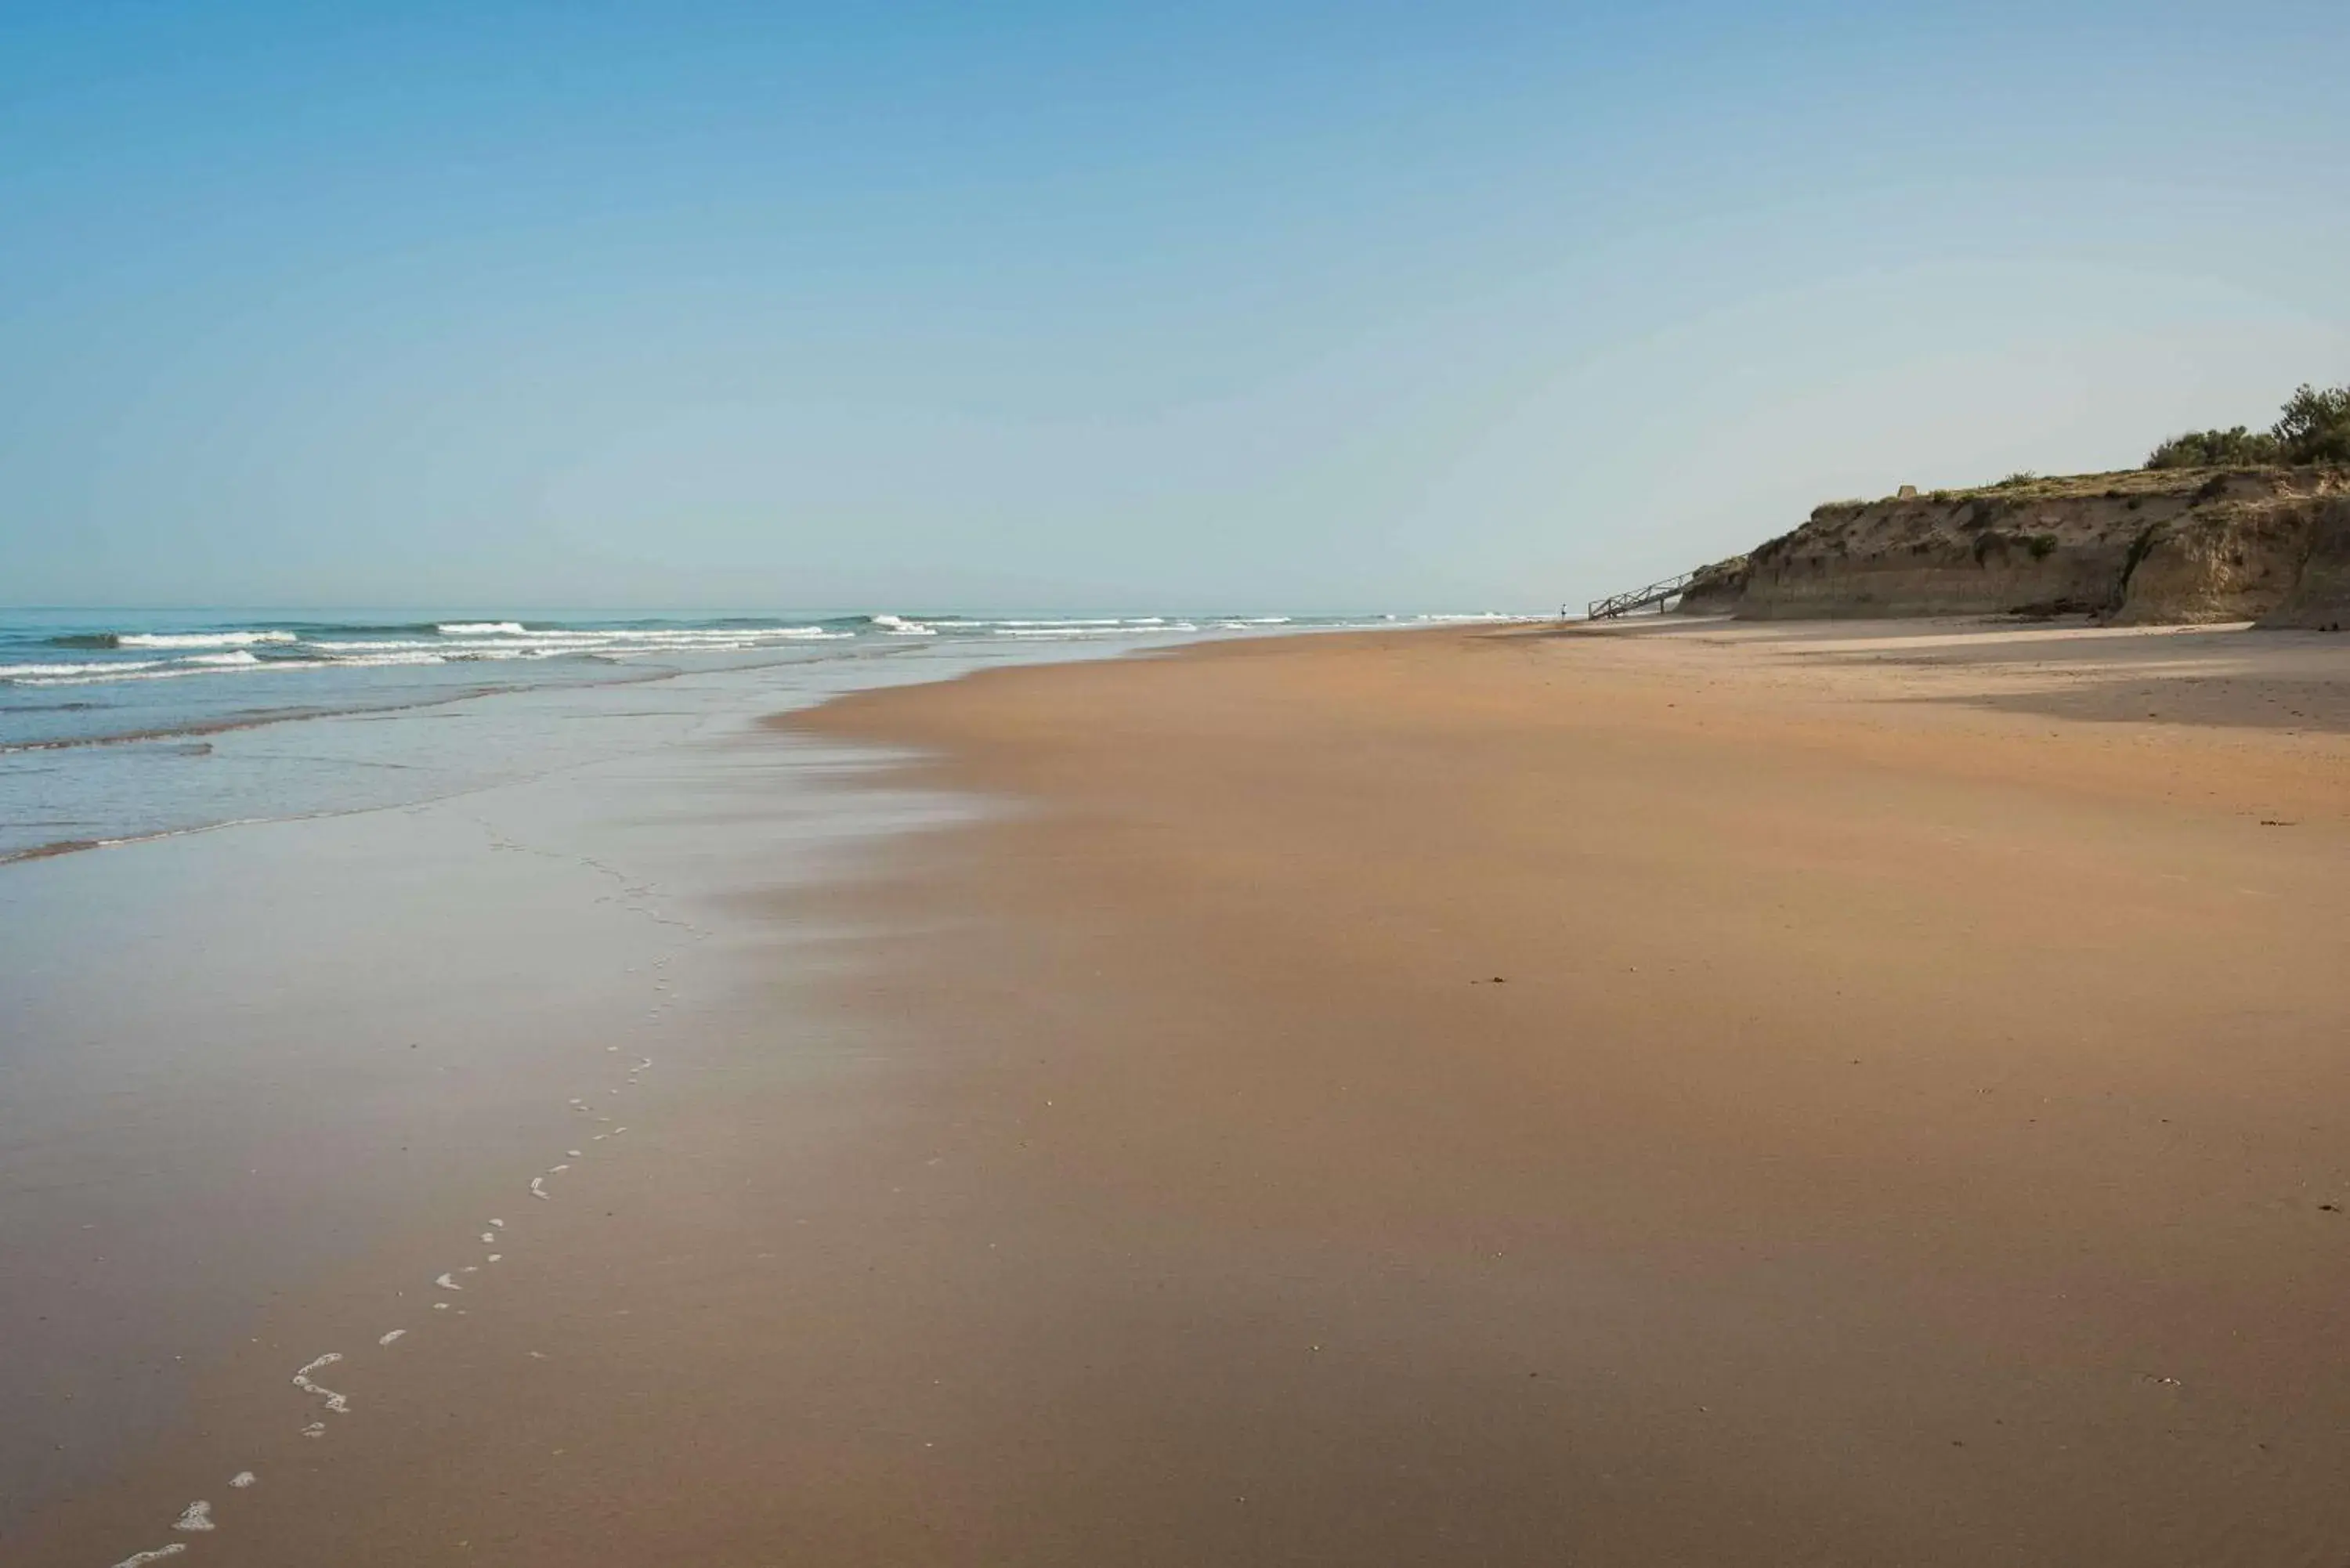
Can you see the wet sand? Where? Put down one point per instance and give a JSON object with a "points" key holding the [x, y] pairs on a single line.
{"points": [[1688, 1094]]}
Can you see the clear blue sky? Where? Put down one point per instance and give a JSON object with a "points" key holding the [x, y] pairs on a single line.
{"points": [[1344, 307]]}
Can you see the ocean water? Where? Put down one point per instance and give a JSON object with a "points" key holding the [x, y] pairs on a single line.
{"points": [[117, 726]]}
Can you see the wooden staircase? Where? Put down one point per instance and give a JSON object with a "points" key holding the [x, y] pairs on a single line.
{"points": [[1658, 594]]}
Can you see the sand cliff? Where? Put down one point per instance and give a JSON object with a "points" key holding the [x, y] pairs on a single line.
{"points": [[2271, 546]]}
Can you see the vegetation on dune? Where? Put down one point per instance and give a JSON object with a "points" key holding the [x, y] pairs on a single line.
{"points": [[2237, 448], [2314, 427]]}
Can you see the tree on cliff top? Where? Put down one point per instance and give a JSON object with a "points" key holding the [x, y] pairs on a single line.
{"points": [[2314, 427]]}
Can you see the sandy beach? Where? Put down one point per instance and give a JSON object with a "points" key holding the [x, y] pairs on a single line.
{"points": [[1843, 1094], [1684, 1093], [1095, 787]]}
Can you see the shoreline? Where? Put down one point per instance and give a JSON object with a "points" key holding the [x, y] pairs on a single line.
{"points": [[251, 1128], [1664, 1093]]}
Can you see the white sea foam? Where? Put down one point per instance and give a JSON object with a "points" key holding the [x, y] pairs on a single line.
{"points": [[1070, 633], [447, 1283], [137, 1559], [398, 644], [1062, 628], [242, 1480], [391, 1338], [197, 1516], [106, 674], [200, 639], [229, 652], [196, 664], [122, 667], [507, 640], [376, 660], [338, 1403]]}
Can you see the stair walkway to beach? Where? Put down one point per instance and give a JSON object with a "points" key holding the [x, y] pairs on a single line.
{"points": [[1656, 594]]}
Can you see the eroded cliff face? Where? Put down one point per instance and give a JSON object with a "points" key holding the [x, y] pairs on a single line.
{"points": [[2138, 547], [2319, 599], [1714, 589]]}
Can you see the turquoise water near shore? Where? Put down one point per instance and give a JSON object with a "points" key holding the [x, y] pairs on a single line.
{"points": [[118, 726]]}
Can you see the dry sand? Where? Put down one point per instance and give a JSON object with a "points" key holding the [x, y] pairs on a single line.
{"points": [[1677, 1095], [1834, 1094]]}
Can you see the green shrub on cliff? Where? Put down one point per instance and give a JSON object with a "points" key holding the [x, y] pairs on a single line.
{"points": [[2238, 448], [2314, 427]]}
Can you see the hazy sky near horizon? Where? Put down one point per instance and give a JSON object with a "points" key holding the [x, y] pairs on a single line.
{"points": [[1232, 305]]}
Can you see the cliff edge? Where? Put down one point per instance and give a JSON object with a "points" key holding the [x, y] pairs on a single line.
{"points": [[2164, 545]]}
